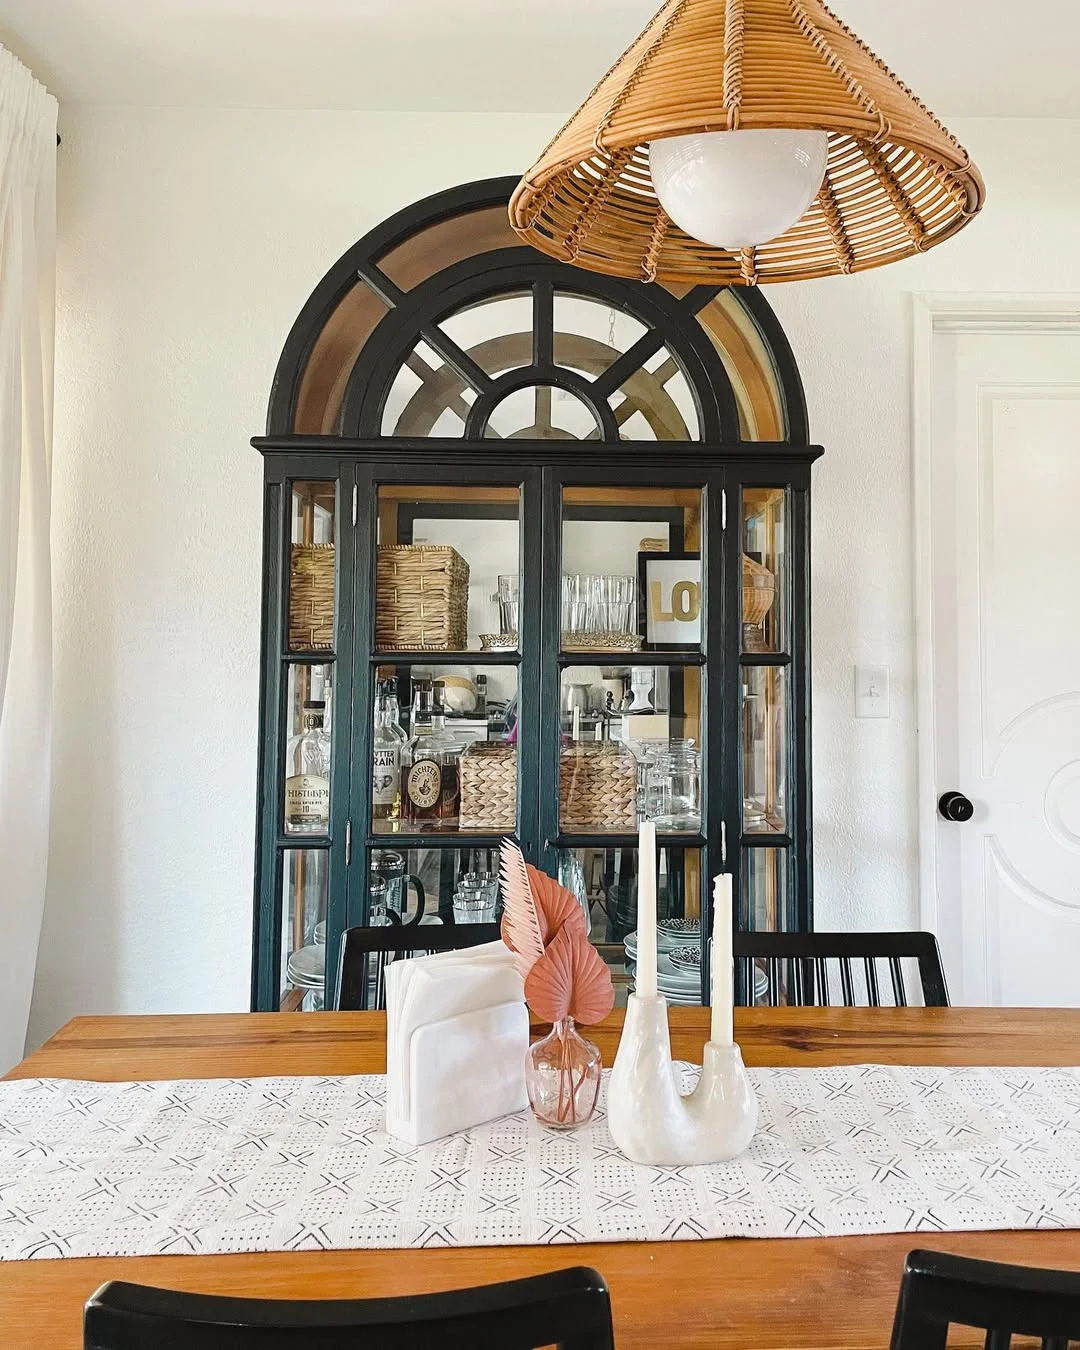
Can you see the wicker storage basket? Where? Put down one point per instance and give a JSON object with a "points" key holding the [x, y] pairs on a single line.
{"points": [[489, 786], [758, 591], [597, 787], [311, 597], [421, 599]]}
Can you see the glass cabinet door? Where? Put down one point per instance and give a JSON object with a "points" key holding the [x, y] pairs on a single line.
{"points": [[303, 755], [450, 724], [773, 787], [626, 628]]}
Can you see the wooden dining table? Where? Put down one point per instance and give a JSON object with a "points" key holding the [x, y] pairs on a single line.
{"points": [[783, 1294]]}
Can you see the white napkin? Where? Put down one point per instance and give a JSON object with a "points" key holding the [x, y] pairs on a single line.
{"points": [[457, 1031]]}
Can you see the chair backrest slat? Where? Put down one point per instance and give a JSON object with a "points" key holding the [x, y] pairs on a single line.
{"points": [[566, 1308], [797, 966], [821, 965], [939, 1291], [873, 996], [897, 973], [384, 944], [846, 982]]}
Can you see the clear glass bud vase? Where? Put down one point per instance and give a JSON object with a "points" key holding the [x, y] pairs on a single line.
{"points": [[562, 1074]]}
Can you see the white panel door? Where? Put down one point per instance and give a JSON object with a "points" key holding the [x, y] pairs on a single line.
{"points": [[1005, 501]]}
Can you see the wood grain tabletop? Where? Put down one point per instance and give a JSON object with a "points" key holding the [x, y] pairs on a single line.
{"points": [[782, 1294]]}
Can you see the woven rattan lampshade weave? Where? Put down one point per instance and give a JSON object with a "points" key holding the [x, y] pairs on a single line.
{"points": [[896, 182]]}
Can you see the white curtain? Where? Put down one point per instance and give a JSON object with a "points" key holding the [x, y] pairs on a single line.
{"points": [[27, 307]]}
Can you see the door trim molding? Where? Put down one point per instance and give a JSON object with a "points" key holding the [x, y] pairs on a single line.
{"points": [[933, 313]]}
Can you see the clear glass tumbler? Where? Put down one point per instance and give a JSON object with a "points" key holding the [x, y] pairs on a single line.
{"points": [[473, 905], [575, 603], [509, 597]]}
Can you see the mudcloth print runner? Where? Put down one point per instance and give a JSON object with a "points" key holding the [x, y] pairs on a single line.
{"points": [[273, 1164]]}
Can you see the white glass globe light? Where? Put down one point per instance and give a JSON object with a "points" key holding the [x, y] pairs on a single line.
{"points": [[738, 189]]}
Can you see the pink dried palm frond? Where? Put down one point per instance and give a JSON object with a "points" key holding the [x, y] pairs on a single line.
{"points": [[521, 925], [555, 905], [570, 980]]}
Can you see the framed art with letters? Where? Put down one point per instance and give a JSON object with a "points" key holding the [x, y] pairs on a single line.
{"points": [[669, 585]]}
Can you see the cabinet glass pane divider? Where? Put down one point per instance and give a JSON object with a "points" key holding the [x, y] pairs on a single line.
{"points": [[351, 574], [304, 841], [446, 658], [765, 659], [267, 919], [628, 840], [309, 658], [365, 534], [631, 658], [766, 841], [448, 840], [800, 916]]}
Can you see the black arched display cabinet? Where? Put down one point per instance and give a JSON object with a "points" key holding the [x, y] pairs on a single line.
{"points": [[573, 509]]}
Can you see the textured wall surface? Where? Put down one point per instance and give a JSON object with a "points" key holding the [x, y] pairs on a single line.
{"points": [[188, 242]]}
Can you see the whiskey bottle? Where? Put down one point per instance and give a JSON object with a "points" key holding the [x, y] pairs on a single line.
{"points": [[443, 745], [433, 782], [387, 742], [420, 777], [393, 709], [307, 784]]}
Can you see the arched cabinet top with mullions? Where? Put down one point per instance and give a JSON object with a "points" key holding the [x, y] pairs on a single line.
{"points": [[440, 323]]}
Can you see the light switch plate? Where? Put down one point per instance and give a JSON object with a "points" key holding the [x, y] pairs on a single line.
{"points": [[871, 691]]}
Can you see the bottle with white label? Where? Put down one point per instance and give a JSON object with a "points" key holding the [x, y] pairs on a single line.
{"points": [[387, 742], [421, 774], [307, 784]]}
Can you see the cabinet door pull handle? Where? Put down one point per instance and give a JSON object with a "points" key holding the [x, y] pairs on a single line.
{"points": [[348, 843]]}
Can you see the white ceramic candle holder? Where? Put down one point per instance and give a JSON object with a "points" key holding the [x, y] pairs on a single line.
{"points": [[650, 1121]]}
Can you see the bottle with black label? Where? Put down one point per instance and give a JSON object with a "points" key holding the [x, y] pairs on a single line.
{"points": [[307, 783], [387, 742]]}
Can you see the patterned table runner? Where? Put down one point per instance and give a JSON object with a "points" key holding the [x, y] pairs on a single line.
{"points": [[290, 1164]]}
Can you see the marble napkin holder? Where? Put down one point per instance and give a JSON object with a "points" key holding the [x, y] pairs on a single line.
{"points": [[457, 1036]]}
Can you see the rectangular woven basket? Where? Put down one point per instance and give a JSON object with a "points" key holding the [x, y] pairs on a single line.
{"points": [[421, 598], [597, 788], [311, 597], [489, 786]]}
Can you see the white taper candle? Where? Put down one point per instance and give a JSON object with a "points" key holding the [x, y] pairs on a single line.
{"points": [[646, 910], [723, 993]]}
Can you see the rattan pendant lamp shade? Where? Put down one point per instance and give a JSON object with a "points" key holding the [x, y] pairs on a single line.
{"points": [[896, 182]]}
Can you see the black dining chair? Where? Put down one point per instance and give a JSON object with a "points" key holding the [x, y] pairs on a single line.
{"points": [[567, 1308], [366, 952], [797, 967], [939, 1291]]}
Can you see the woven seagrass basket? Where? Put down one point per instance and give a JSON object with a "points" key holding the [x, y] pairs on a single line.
{"points": [[421, 598], [597, 787], [489, 786], [758, 591], [311, 597]]}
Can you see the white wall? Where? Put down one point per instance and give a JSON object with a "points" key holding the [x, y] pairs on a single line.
{"points": [[188, 242]]}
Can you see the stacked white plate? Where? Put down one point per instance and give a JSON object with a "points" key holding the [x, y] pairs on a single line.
{"points": [[678, 959]]}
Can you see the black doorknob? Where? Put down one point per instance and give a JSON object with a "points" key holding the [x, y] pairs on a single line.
{"points": [[955, 806]]}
